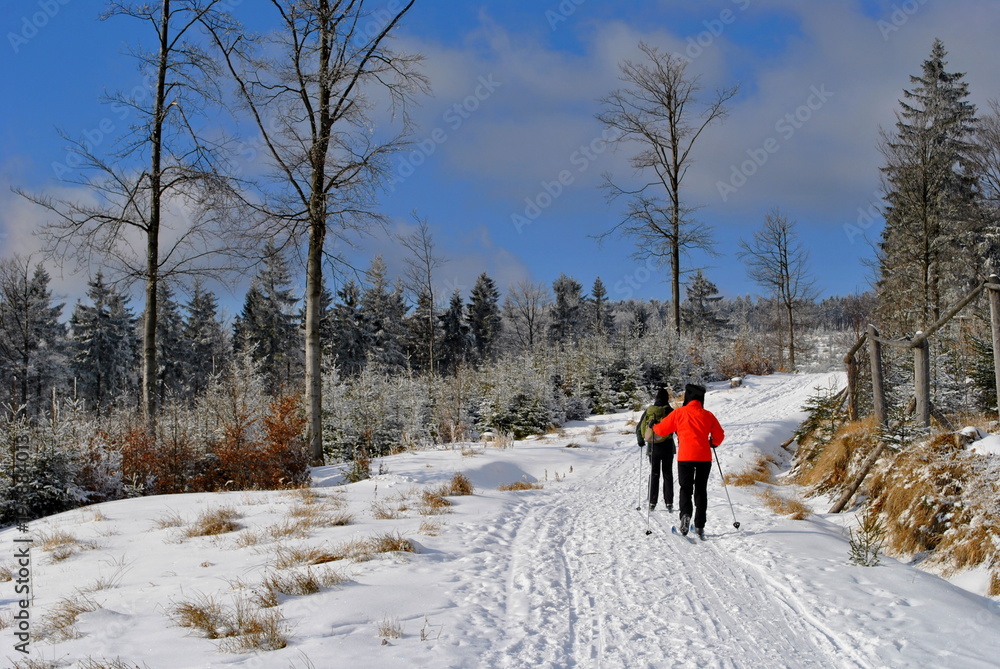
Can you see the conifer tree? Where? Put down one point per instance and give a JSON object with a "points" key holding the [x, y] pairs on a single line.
{"points": [[267, 324], [483, 314], [171, 348], [104, 346], [567, 311], [455, 335], [599, 319], [349, 340], [700, 311], [383, 310], [423, 334], [32, 340], [205, 338], [929, 185]]}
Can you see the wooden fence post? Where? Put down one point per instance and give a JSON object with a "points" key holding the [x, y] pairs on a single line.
{"points": [[995, 322], [878, 387], [922, 380], [852, 388]]}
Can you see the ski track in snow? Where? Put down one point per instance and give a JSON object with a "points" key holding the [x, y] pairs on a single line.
{"points": [[573, 577]]}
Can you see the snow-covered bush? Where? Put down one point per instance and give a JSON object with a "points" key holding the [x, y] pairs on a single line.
{"points": [[516, 398]]}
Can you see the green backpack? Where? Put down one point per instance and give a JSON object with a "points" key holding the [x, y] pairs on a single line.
{"points": [[653, 415]]}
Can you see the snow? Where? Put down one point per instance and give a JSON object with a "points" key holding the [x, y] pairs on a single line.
{"points": [[988, 445], [561, 576]]}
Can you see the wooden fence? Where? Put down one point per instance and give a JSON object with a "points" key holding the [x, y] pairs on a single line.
{"points": [[922, 406]]}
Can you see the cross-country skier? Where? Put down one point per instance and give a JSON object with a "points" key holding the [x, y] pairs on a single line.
{"points": [[660, 450], [698, 432]]}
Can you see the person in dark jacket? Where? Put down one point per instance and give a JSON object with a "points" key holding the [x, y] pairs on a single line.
{"points": [[660, 450], [698, 432]]}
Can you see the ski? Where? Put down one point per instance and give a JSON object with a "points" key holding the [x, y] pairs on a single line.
{"points": [[676, 533]]}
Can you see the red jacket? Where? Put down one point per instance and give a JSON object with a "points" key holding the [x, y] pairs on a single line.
{"points": [[697, 431]]}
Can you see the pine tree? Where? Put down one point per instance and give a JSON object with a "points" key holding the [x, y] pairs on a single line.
{"points": [[929, 185], [483, 314], [349, 340], [267, 323], [383, 310], [104, 346], [567, 312], [700, 312], [599, 318], [171, 348], [205, 338], [423, 334], [32, 340], [455, 335]]}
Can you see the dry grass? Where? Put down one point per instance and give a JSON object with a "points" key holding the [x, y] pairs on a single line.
{"points": [[248, 538], [390, 542], [459, 485], [6, 620], [520, 485], [244, 627], [594, 433], [758, 472], [36, 664], [287, 530], [469, 450], [430, 527], [785, 506], [383, 510], [994, 590], [6, 574], [389, 628], [170, 519], [117, 663], [288, 558], [433, 503], [61, 618], [61, 545], [829, 468], [213, 522]]}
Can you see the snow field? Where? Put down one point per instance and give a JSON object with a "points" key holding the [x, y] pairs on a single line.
{"points": [[561, 576]]}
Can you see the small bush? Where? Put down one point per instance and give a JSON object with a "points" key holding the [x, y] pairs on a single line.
{"points": [[294, 557], [459, 485], [520, 485], [61, 618], [389, 628], [867, 540], [783, 506], [214, 522], [245, 627], [391, 543], [433, 502], [758, 472]]}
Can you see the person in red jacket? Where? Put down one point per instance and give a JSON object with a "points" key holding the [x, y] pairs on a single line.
{"points": [[698, 432]]}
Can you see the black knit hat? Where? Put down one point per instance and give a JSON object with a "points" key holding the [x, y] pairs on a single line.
{"points": [[694, 392], [662, 397]]}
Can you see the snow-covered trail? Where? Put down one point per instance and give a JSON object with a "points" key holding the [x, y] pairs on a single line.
{"points": [[572, 580], [583, 585]]}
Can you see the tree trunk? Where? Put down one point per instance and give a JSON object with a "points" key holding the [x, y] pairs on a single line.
{"points": [[314, 380], [153, 231], [791, 337]]}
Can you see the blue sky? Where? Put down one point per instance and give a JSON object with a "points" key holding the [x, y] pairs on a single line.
{"points": [[817, 79]]}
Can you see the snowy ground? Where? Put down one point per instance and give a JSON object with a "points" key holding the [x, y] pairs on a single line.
{"points": [[562, 576]]}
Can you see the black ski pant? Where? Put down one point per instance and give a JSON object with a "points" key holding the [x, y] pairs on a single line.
{"points": [[693, 480], [661, 459]]}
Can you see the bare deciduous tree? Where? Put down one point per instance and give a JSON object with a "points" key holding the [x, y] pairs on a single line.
{"points": [[419, 280], [777, 261], [660, 110], [526, 310], [163, 162], [308, 90]]}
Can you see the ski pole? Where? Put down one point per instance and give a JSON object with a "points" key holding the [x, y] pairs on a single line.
{"points": [[736, 523], [649, 507], [639, 480]]}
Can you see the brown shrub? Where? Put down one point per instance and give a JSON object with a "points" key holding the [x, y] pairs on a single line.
{"points": [[758, 472], [829, 468], [785, 506], [213, 522], [520, 485], [459, 485]]}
